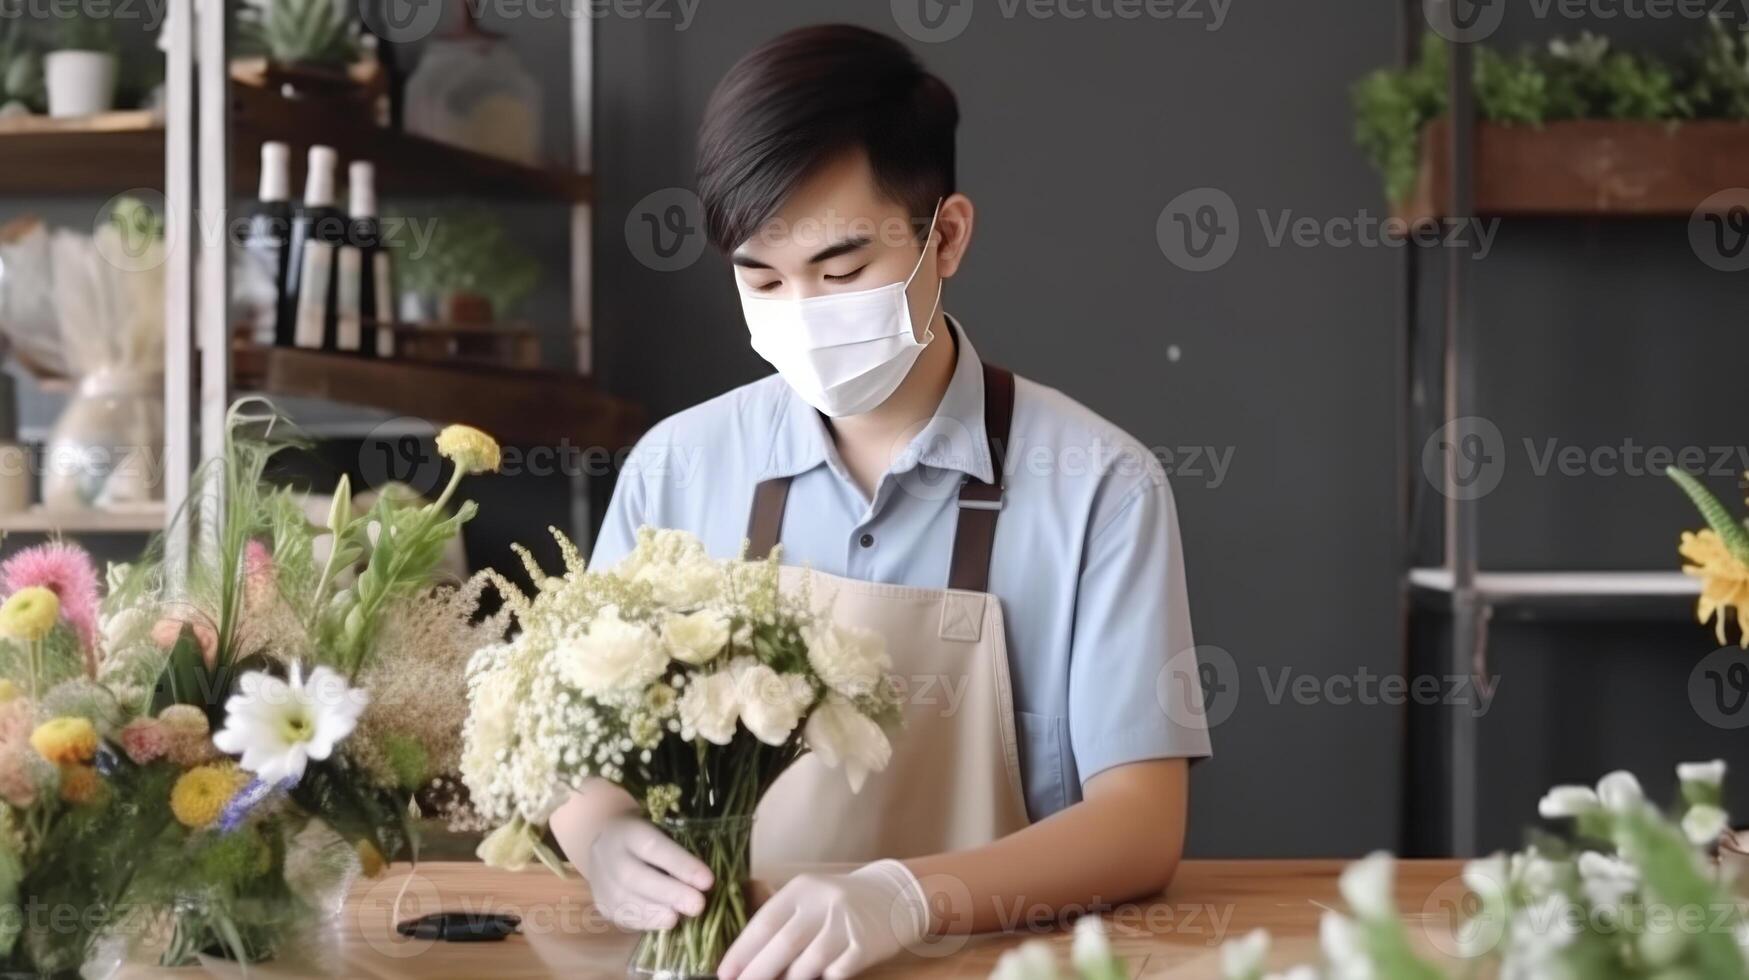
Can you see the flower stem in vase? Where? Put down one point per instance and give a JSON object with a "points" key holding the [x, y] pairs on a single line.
{"points": [[692, 948]]}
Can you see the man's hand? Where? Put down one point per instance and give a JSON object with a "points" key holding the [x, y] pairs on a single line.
{"points": [[830, 925], [640, 879]]}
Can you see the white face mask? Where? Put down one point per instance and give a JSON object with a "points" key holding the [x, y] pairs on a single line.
{"points": [[844, 353]]}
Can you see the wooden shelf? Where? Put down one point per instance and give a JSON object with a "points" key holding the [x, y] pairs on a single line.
{"points": [[118, 151], [1585, 168], [134, 519], [516, 406], [101, 154]]}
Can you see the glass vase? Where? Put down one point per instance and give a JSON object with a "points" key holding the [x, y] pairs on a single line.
{"points": [[692, 948]]}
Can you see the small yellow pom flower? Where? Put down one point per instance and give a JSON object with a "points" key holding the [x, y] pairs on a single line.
{"points": [[80, 784], [200, 794], [1724, 591], [469, 448], [65, 741], [370, 860], [30, 613], [8, 690]]}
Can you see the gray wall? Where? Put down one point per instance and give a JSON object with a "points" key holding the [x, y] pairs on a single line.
{"points": [[1075, 136]]}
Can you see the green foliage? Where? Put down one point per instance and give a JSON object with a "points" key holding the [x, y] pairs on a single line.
{"points": [[21, 66], [471, 252], [409, 762], [1579, 78], [82, 33], [299, 32], [1719, 81], [1717, 517]]}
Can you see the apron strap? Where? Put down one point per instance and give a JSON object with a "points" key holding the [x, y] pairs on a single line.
{"points": [[979, 502], [765, 523], [974, 536]]}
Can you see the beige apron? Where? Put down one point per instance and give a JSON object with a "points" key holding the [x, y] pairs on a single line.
{"points": [[954, 778]]}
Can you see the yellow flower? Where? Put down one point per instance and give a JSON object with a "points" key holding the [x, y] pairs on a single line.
{"points": [[370, 860], [8, 690], [30, 613], [469, 448], [79, 784], [201, 793], [65, 741], [1724, 581]]}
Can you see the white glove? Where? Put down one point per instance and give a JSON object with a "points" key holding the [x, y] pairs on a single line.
{"points": [[640, 879], [831, 925]]}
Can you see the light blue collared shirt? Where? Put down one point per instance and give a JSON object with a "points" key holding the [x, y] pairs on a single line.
{"points": [[1087, 561]]}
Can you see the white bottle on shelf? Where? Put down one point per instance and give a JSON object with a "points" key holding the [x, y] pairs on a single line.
{"points": [[320, 228]]}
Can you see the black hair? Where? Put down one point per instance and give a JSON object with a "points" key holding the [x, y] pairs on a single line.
{"points": [[804, 99]]}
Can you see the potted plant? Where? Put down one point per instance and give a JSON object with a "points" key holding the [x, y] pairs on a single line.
{"points": [[313, 36], [80, 70], [21, 72], [471, 267]]}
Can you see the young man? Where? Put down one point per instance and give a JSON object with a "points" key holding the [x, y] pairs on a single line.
{"points": [[1048, 729]]}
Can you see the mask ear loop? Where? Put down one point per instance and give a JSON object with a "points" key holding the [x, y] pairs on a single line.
{"points": [[940, 285]]}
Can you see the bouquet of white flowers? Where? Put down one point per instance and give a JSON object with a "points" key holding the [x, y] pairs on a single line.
{"points": [[691, 683], [1631, 894]]}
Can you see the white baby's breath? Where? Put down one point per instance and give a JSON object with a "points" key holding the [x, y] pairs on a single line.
{"points": [[1703, 823], [1366, 886], [1244, 957]]}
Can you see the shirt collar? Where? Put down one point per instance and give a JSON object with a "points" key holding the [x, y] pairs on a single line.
{"points": [[953, 439]]}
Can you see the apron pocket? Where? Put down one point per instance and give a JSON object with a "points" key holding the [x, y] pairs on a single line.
{"points": [[1041, 764]]}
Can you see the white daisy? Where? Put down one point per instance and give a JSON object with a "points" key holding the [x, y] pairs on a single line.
{"points": [[279, 726]]}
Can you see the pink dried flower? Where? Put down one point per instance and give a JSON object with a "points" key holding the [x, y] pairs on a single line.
{"points": [[68, 572], [145, 740], [166, 631], [18, 778], [258, 572]]}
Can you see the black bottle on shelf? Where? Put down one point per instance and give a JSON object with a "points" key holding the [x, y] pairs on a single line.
{"points": [[318, 231], [366, 306], [266, 239]]}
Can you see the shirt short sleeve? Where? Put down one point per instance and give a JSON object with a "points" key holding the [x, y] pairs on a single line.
{"points": [[625, 513], [1134, 687]]}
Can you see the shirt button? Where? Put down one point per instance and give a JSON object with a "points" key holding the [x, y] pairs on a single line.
{"points": [[867, 541]]}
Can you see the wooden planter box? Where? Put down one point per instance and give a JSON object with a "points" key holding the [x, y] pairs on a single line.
{"points": [[1590, 167]]}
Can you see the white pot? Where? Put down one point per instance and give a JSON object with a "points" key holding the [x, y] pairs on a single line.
{"points": [[80, 83]]}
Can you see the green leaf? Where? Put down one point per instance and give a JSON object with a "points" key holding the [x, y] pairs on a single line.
{"points": [[1717, 517]]}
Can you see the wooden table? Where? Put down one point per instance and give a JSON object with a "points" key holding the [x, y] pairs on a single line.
{"points": [[1178, 934]]}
